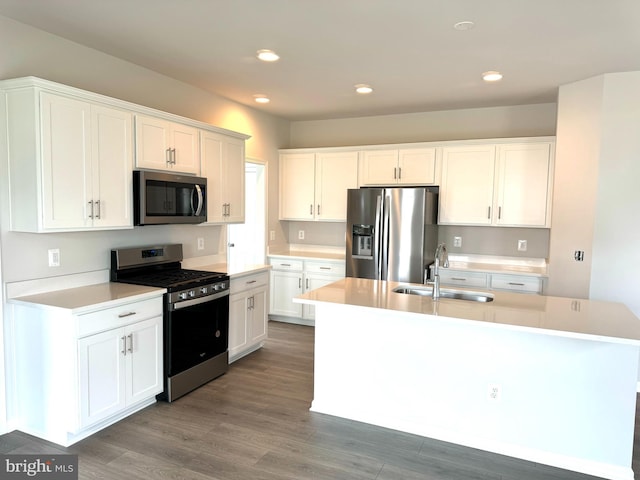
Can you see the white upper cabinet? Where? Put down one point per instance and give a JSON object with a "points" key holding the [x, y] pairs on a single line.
{"points": [[501, 185], [223, 165], [70, 163], [313, 186], [167, 146], [466, 194], [523, 185], [408, 166]]}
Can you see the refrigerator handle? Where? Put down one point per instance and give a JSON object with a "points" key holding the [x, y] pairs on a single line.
{"points": [[384, 264], [377, 238]]}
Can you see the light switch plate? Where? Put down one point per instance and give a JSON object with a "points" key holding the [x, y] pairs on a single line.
{"points": [[457, 241], [54, 257]]}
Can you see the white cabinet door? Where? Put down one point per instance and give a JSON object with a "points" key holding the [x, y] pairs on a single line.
{"points": [[223, 166], [523, 185], [297, 183], [378, 167], [184, 141], [311, 282], [233, 178], [466, 194], [66, 165], [238, 327], [144, 359], [258, 319], [285, 286], [168, 146], [335, 173], [112, 163], [102, 371], [416, 166]]}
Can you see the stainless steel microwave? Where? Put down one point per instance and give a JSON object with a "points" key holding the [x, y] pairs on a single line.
{"points": [[166, 198]]}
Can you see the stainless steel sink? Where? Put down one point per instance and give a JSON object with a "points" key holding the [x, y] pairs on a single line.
{"points": [[445, 293]]}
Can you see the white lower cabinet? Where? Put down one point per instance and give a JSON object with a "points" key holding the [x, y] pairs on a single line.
{"points": [[119, 367], [290, 278], [78, 373], [248, 306], [507, 282]]}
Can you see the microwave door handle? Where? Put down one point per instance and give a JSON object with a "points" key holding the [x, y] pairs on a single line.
{"points": [[200, 201]]}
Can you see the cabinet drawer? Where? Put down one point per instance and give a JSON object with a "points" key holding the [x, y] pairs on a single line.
{"points": [[335, 268], [115, 317], [248, 282], [516, 283], [465, 279], [285, 264]]}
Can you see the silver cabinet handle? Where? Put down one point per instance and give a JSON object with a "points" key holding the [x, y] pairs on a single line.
{"points": [[97, 204], [124, 345], [307, 284], [489, 213], [394, 173], [91, 205], [399, 173], [250, 282], [311, 209], [516, 284], [130, 337], [299, 282], [128, 314], [499, 212], [459, 279], [325, 268], [168, 156], [318, 209], [285, 264]]}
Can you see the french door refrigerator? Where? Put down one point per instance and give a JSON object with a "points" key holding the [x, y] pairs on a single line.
{"points": [[392, 233]]}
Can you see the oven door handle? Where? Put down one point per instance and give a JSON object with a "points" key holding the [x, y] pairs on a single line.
{"points": [[197, 301]]}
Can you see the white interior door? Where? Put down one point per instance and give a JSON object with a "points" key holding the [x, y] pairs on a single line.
{"points": [[247, 241]]}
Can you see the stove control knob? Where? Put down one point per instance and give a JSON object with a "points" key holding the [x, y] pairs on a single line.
{"points": [[223, 286], [183, 296], [216, 287], [192, 293], [203, 290]]}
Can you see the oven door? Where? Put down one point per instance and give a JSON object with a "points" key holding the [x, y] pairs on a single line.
{"points": [[198, 330]]}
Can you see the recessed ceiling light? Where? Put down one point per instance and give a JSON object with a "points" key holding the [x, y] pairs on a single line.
{"points": [[267, 55], [260, 98], [363, 88], [491, 76], [465, 25]]}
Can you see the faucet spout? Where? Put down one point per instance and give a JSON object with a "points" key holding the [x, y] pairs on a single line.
{"points": [[441, 257]]}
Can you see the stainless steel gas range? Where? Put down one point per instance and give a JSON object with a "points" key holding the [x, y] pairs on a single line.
{"points": [[196, 314]]}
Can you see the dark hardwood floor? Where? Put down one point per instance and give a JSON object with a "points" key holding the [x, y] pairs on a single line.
{"points": [[254, 424]]}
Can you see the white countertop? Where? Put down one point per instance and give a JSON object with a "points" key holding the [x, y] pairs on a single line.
{"points": [[307, 255], [558, 316], [90, 298], [234, 271]]}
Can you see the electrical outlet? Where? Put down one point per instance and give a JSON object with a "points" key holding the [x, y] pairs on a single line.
{"points": [[272, 235], [300, 234], [200, 243], [494, 392], [457, 241], [522, 245], [578, 255], [54, 257]]}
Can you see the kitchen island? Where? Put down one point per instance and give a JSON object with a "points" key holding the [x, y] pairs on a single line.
{"points": [[547, 379]]}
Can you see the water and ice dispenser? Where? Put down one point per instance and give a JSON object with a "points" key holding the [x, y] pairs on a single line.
{"points": [[362, 241]]}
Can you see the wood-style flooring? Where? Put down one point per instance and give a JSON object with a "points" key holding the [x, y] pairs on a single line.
{"points": [[254, 423]]}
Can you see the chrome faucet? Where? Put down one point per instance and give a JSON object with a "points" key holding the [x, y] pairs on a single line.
{"points": [[441, 257]]}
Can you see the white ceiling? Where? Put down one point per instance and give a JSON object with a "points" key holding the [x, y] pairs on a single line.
{"points": [[407, 50]]}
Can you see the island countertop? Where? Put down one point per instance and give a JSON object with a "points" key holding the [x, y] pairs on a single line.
{"points": [[568, 317]]}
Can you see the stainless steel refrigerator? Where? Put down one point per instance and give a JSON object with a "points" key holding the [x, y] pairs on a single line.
{"points": [[392, 233]]}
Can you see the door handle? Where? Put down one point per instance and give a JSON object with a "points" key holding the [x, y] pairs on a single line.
{"points": [[97, 204], [123, 339], [91, 205]]}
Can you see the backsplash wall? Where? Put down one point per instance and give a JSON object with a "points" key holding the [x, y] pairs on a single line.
{"points": [[500, 241]]}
